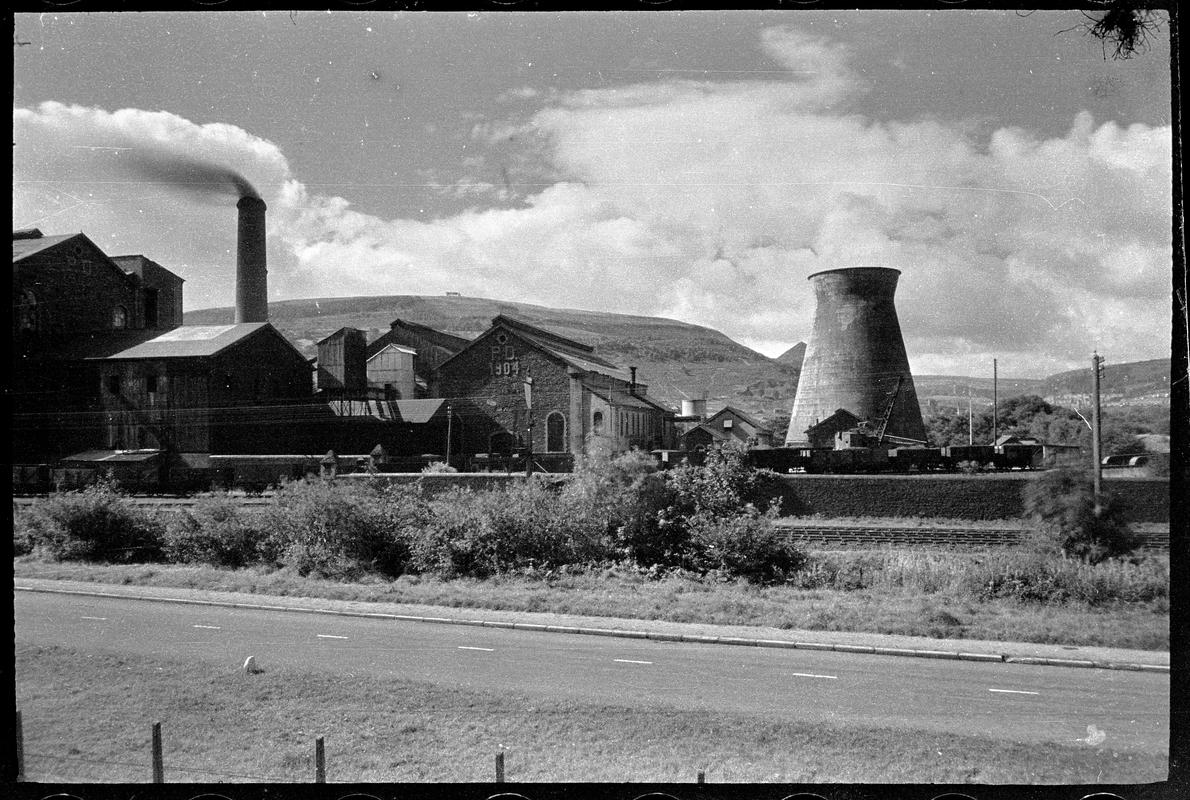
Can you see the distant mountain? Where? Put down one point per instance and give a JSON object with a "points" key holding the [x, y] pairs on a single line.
{"points": [[675, 359], [794, 356], [681, 361]]}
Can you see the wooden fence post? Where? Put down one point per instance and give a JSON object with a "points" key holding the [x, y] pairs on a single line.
{"points": [[20, 743], [319, 761], [158, 762], [702, 777], [500, 767]]}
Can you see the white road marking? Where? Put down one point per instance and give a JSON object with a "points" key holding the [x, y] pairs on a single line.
{"points": [[812, 675], [208, 627], [483, 649], [1011, 691], [329, 636], [630, 661], [101, 619]]}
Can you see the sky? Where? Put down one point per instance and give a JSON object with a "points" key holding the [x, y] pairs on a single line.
{"points": [[692, 165]]}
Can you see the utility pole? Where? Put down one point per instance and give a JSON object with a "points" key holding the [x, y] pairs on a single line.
{"points": [[448, 421], [1096, 361], [970, 419], [529, 416], [995, 402]]}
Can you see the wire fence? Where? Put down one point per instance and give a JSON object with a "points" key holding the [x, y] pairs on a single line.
{"points": [[39, 765]]}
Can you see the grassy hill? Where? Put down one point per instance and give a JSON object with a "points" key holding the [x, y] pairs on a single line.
{"points": [[678, 360]]}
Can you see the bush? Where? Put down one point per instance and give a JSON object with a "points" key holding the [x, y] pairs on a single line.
{"points": [[96, 523], [343, 530], [748, 546], [522, 525], [724, 485], [1031, 576], [1062, 504], [216, 530]]}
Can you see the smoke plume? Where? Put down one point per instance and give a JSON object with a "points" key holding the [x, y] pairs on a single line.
{"points": [[187, 173]]}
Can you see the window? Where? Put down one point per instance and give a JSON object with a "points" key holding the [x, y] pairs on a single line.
{"points": [[27, 312], [113, 384], [727, 424], [150, 308], [151, 384], [555, 432], [597, 422], [119, 317]]}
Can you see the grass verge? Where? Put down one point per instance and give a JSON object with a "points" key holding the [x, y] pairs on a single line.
{"points": [[613, 593], [87, 718]]}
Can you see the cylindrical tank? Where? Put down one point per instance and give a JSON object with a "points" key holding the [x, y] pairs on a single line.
{"points": [[252, 292], [856, 358], [695, 408]]}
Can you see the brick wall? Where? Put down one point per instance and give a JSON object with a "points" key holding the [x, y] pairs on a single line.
{"points": [[488, 402], [952, 496]]}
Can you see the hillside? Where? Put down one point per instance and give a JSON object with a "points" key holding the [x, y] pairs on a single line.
{"points": [[681, 361], [675, 359]]}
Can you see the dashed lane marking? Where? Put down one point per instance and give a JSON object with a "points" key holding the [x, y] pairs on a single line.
{"points": [[1011, 691], [101, 619], [630, 661], [481, 649], [330, 636], [812, 675], [208, 627]]}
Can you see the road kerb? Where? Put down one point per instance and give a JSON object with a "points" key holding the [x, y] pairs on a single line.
{"points": [[635, 634]]}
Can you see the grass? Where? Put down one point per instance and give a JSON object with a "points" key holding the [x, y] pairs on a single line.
{"points": [[884, 608], [87, 718]]}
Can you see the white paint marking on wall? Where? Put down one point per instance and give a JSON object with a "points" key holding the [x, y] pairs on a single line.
{"points": [[208, 627], [101, 619], [482, 649], [812, 675], [1011, 691], [630, 661], [329, 636]]}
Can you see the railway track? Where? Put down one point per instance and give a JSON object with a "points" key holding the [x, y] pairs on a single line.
{"points": [[1155, 537]]}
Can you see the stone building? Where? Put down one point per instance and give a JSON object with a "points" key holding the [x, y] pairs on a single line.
{"points": [[516, 379], [728, 427]]}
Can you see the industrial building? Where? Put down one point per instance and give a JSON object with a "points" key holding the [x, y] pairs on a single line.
{"points": [[518, 385], [728, 427]]}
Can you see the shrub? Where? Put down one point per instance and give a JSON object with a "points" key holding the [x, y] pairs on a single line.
{"points": [[1030, 576], [518, 526], [215, 530], [723, 486], [1061, 502], [435, 467], [748, 546], [96, 523], [343, 530]]}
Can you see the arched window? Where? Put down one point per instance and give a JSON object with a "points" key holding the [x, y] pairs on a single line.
{"points": [[555, 432], [119, 317], [597, 422], [27, 312]]}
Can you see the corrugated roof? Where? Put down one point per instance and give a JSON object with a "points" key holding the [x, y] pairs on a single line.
{"points": [[188, 341], [114, 456], [413, 412]]}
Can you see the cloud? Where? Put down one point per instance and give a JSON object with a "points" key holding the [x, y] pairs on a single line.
{"points": [[711, 202]]}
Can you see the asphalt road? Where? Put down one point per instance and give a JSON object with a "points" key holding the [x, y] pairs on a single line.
{"points": [[1082, 707]]}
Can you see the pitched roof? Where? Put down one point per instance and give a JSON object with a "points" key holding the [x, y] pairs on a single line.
{"points": [[575, 354], [25, 247], [760, 426], [414, 412], [189, 341]]}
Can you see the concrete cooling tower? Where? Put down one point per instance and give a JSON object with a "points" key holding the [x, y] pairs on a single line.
{"points": [[856, 359]]}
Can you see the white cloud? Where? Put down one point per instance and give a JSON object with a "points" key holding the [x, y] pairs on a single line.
{"points": [[710, 202]]}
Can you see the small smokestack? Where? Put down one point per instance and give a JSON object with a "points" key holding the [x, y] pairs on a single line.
{"points": [[632, 380], [252, 292]]}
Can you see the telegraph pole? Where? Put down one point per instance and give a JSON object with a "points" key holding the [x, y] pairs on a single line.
{"points": [[1096, 361], [995, 402], [529, 437], [448, 421]]}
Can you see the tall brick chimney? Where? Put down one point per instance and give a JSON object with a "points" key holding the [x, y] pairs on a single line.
{"points": [[252, 292]]}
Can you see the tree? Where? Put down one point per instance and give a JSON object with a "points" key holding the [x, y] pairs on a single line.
{"points": [[1062, 504]]}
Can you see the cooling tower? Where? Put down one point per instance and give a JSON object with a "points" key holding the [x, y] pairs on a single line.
{"points": [[252, 292], [856, 358]]}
